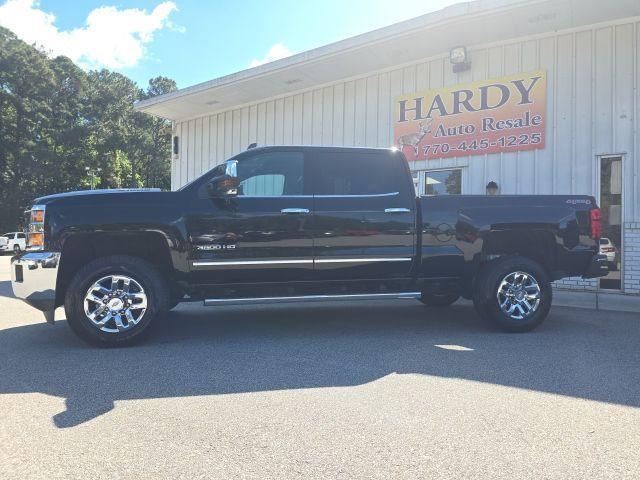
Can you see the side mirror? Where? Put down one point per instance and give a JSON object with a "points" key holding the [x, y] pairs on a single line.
{"points": [[223, 186]]}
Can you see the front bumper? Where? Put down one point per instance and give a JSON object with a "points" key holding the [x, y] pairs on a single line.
{"points": [[33, 279], [598, 267]]}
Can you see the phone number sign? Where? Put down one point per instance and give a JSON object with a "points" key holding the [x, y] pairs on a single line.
{"points": [[500, 115]]}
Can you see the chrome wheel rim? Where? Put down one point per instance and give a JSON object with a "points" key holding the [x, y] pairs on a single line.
{"points": [[115, 303], [519, 295]]}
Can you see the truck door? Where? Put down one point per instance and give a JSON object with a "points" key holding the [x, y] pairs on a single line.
{"points": [[261, 235], [364, 214]]}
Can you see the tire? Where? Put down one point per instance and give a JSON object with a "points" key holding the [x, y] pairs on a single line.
{"points": [[94, 284], [16, 249], [527, 298], [438, 300]]}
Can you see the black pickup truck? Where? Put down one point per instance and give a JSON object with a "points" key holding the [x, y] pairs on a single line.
{"points": [[293, 224]]}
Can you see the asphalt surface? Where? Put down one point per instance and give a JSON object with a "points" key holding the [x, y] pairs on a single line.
{"points": [[387, 390]]}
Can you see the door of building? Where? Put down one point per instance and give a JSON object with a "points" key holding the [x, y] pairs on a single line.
{"points": [[611, 206]]}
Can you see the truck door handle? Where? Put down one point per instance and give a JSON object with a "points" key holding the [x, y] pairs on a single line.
{"points": [[294, 210], [396, 210]]}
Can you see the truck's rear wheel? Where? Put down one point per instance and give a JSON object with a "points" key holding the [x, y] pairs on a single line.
{"points": [[438, 299], [112, 301], [513, 293]]}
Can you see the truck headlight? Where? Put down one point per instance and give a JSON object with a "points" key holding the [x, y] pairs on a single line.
{"points": [[35, 232]]}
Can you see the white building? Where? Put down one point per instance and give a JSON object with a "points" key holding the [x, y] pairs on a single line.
{"points": [[584, 54]]}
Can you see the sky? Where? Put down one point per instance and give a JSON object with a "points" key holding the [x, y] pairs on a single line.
{"points": [[193, 41]]}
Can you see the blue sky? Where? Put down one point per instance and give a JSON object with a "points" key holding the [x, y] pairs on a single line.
{"points": [[194, 41]]}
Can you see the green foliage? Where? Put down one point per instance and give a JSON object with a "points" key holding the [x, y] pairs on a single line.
{"points": [[64, 129]]}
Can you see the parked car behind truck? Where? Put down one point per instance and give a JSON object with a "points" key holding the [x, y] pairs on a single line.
{"points": [[291, 224], [15, 242]]}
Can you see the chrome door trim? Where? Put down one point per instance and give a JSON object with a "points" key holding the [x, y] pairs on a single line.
{"points": [[294, 210], [362, 260], [217, 263], [208, 263], [396, 210], [373, 195], [210, 302]]}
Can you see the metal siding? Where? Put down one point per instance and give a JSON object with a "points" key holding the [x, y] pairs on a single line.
{"points": [[623, 109], [360, 116], [592, 101], [307, 118], [371, 115], [564, 117], [316, 119], [545, 158], [298, 103], [327, 116], [197, 157], [228, 134], [278, 131], [287, 123], [270, 124], [244, 128], [583, 158], [349, 114]]}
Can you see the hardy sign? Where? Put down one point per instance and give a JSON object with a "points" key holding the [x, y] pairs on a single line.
{"points": [[501, 115]]}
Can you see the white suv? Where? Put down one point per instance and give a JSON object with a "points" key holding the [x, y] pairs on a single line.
{"points": [[14, 241]]}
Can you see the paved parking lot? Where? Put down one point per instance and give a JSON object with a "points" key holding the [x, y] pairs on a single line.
{"points": [[381, 390]]}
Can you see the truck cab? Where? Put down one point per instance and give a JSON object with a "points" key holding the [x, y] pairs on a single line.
{"points": [[303, 215]]}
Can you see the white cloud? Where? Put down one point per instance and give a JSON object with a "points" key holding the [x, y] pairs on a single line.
{"points": [[111, 37], [276, 52]]}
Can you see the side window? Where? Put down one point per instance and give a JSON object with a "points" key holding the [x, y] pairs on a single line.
{"points": [[21, 236], [10, 236], [346, 173], [271, 174]]}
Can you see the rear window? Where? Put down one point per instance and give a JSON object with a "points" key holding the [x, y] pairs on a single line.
{"points": [[349, 173]]}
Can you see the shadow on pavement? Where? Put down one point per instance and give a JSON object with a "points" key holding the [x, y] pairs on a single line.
{"points": [[5, 289], [579, 353]]}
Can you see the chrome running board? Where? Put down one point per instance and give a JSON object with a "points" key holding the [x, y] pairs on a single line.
{"points": [[216, 302]]}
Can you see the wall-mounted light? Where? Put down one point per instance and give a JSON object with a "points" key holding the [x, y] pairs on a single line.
{"points": [[175, 145], [492, 188], [459, 59]]}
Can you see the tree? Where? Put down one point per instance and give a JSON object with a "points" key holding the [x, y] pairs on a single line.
{"points": [[58, 122]]}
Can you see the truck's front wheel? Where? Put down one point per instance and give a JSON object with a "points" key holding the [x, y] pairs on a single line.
{"points": [[513, 293], [113, 300]]}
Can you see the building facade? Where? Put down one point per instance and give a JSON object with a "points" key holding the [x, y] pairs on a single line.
{"points": [[585, 54]]}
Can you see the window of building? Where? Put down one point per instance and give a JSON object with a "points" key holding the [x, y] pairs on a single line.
{"points": [[443, 182], [271, 174]]}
